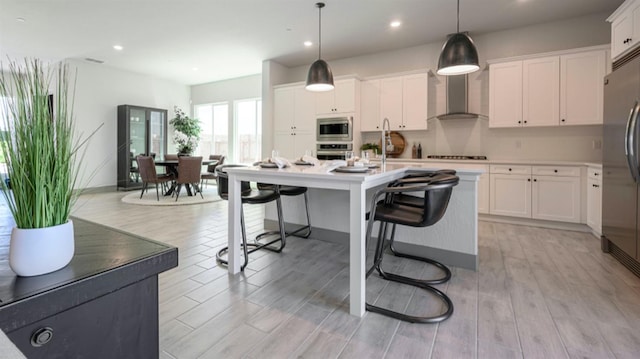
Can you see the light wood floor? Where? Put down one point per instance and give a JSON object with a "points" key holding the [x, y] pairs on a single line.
{"points": [[539, 293]]}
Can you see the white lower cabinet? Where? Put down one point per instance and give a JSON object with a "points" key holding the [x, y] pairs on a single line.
{"points": [[540, 192], [293, 144], [594, 200], [483, 193], [510, 195]]}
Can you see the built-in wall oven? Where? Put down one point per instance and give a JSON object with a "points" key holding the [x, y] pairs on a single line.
{"points": [[335, 129], [333, 151]]}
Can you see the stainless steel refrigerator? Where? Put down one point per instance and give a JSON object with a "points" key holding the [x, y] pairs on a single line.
{"points": [[621, 167]]}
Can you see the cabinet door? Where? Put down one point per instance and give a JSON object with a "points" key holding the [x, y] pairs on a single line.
{"points": [[510, 195], [345, 96], [621, 34], [341, 100], [556, 198], [391, 101], [284, 142], [541, 91], [414, 102], [505, 94], [283, 109], [370, 105], [304, 116], [582, 88], [483, 193], [302, 141], [594, 205]]}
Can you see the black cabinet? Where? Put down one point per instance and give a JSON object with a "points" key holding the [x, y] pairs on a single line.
{"points": [[104, 304], [141, 131]]}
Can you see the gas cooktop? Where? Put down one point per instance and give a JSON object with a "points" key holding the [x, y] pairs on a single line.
{"points": [[456, 157]]}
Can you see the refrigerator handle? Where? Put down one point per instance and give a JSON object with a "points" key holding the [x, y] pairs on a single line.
{"points": [[630, 142]]}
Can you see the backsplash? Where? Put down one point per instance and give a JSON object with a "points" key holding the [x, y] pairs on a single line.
{"points": [[474, 137]]}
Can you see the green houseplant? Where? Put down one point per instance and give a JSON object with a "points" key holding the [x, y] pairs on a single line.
{"points": [[187, 132], [41, 153], [371, 147]]}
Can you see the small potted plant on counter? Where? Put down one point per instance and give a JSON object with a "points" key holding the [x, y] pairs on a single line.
{"points": [[43, 157], [372, 148]]}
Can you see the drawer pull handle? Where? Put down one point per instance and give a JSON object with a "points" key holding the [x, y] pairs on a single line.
{"points": [[509, 169], [41, 337], [596, 174], [595, 185], [556, 171]]}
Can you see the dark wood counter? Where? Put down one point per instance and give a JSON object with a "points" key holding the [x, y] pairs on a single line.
{"points": [[104, 304]]}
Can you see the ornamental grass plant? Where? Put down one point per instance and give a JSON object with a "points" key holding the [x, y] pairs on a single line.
{"points": [[39, 144]]}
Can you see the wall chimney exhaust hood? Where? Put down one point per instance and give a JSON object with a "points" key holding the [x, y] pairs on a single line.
{"points": [[457, 99]]}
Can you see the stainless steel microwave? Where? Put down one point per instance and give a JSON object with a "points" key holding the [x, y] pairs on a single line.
{"points": [[335, 129]]}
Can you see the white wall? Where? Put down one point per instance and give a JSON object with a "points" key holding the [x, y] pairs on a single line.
{"points": [[99, 90], [474, 137]]}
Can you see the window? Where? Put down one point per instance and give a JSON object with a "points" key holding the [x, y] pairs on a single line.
{"points": [[214, 121], [238, 138], [248, 139]]}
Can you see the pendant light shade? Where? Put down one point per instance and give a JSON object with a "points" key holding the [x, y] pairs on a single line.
{"points": [[459, 54], [320, 77]]}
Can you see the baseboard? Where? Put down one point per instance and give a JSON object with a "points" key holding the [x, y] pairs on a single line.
{"points": [[576, 227]]}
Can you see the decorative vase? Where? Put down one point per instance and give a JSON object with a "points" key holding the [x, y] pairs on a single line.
{"points": [[37, 251]]}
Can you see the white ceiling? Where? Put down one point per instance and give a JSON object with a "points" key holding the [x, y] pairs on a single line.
{"points": [[230, 38]]}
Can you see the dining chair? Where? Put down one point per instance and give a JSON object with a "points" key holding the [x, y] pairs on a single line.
{"points": [[211, 170], [436, 191], [147, 170], [189, 174], [251, 196]]}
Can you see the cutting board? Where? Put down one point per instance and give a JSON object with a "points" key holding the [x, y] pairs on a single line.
{"points": [[398, 144]]}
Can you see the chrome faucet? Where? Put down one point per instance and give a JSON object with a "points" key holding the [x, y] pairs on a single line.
{"points": [[386, 140]]}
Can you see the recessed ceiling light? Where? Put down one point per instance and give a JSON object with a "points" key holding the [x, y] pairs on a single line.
{"points": [[395, 23], [118, 47], [194, 68], [308, 43], [20, 19]]}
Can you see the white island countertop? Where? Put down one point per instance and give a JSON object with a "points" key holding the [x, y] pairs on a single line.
{"points": [[462, 213]]}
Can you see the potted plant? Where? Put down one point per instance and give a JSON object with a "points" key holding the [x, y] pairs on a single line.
{"points": [[41, 153], [187, 132], [373, 148]]}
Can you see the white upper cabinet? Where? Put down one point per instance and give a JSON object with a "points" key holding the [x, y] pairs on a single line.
{"points": [[625, 28], [541, 91], [505, 94], [401, 99], [293, 120], [342, 99], [564, 89], [370, 105], [582, 88]]}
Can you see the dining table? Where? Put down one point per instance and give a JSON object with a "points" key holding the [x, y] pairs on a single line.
{"points": [[172, 167]]}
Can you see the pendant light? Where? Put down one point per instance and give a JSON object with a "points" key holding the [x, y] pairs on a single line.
{"points": [[459, 54], [320, 77]]}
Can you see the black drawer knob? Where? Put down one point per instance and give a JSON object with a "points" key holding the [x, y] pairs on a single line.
{"points": [[535, 180], [556, 171], [41, 336], [509, 169]]}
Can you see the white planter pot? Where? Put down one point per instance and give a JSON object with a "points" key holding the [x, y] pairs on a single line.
{"points": [[41, 250]]}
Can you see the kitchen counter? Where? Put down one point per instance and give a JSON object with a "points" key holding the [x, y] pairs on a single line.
{"points": [[490, 162], [338, 203], [104, 304]]}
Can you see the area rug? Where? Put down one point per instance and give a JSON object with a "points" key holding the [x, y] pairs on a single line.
{"points": [[210, 194]]}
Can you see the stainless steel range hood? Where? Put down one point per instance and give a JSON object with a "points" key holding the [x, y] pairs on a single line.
{"points": [[457, 99]]}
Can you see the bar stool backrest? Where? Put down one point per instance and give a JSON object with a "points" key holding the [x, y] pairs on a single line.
{"points": [[223, 182]]}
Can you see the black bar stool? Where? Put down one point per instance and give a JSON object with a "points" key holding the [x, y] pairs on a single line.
{"points": [[293, 191], [437, 192], [251, 196]]}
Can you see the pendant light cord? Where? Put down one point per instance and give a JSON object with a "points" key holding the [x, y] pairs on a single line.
{"points": [[320, 6], [458, 25]]}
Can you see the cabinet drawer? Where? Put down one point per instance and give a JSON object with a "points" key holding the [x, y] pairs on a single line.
{"points": [[594, 173], [556, 171], [511, 169]]}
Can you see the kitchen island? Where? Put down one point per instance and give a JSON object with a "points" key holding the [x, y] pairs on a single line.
{"points": [[338, 206]]}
